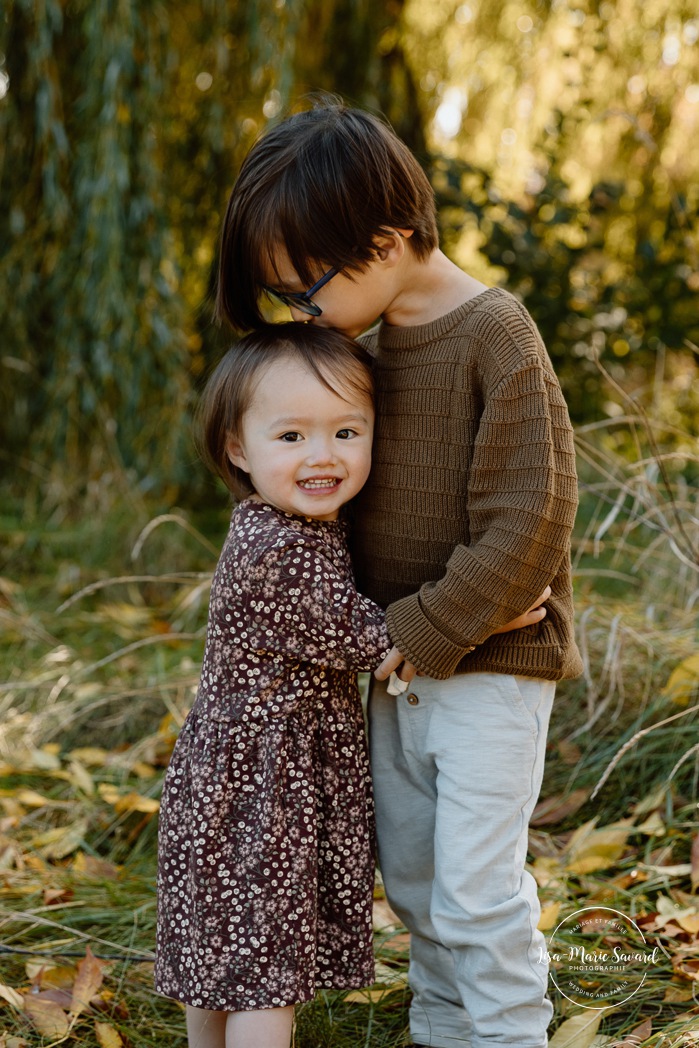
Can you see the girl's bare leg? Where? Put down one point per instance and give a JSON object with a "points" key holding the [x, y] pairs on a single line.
{"points": [[206, 1029], [267, 1028]]}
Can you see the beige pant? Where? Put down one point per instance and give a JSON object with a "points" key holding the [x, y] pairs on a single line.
{"points": [[457, 769]]}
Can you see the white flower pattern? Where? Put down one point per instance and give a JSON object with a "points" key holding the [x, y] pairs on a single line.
{"points": [[266, 840]]}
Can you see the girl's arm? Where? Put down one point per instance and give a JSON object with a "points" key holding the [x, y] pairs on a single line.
{"points": [[309, 610]]}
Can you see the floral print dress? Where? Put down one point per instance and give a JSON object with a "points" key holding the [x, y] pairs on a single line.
{"points": [[266, 839]]}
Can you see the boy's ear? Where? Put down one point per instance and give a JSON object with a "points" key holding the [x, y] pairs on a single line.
{"points": [[236, 454], [390, 247]]}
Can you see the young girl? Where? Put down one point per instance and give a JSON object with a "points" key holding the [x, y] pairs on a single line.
{"points": [[266, 851], [266, 862]]}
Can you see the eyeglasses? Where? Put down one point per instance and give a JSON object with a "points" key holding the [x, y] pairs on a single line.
{"points": [[301, 300]]}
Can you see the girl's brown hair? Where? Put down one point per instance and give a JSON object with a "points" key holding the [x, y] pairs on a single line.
{"points": [[323, 184], [341, 364]]}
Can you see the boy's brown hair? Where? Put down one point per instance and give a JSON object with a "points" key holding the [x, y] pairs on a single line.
{"points": [[322, 184], [340, 363]]}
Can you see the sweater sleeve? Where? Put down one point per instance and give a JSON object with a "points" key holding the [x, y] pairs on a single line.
{"points": [[522, 499], [310, 611]]}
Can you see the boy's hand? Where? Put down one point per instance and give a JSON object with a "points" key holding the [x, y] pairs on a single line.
{"points": [[528, 618], [395, 661]]}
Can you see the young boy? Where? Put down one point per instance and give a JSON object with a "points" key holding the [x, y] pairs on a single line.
{"points": [[465, 519]]}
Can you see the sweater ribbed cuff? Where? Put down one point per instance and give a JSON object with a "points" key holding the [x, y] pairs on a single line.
{"points": [[420, 642]]}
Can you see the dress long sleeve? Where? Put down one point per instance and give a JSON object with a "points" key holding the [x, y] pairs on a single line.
{"points": [[316, 614]]}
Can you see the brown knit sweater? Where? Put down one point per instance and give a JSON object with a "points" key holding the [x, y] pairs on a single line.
{"points": [[467, 514]]}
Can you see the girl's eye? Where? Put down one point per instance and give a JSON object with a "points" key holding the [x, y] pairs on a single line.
{"points": [[346, 434], [290, 438]]}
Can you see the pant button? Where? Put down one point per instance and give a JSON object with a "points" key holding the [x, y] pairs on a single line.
{"points": [[413, 699]]}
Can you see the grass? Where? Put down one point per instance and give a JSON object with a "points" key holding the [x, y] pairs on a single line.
{"points": [[99, 670]]}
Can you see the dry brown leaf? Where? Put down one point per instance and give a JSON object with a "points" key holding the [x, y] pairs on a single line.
{"points": [[47, 1017], [570, 752], [686, 966], [107, 1036], [54, 895], [93, 867], [61, 997], [87, 982], [637, 1035], [558, 807]]}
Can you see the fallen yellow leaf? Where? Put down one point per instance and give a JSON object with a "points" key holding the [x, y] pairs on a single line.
{"points": [[45, 974], [591, 848], [373, 993], [549, 916], [108, 792], [136, 802], [32, 799], [683, 681], [143, 770], [80, 777], [9, 994], [90, 866], [93, 756], [107, 1036], [689, 923], [653, 826], [61, 841], [546, 870], [678, 993], [578, 1031]]}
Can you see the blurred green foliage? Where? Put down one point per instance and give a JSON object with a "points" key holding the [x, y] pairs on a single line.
{"points": [[562, 140]]}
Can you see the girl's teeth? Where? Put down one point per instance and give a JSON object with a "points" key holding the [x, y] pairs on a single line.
{"points": [[318, 483]]}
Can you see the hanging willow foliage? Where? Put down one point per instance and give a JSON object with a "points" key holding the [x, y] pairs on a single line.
{"points": [[122, 125]]}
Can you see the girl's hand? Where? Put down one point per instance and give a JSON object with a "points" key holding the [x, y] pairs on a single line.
{"points": [[528, 618], [395, 661]]}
